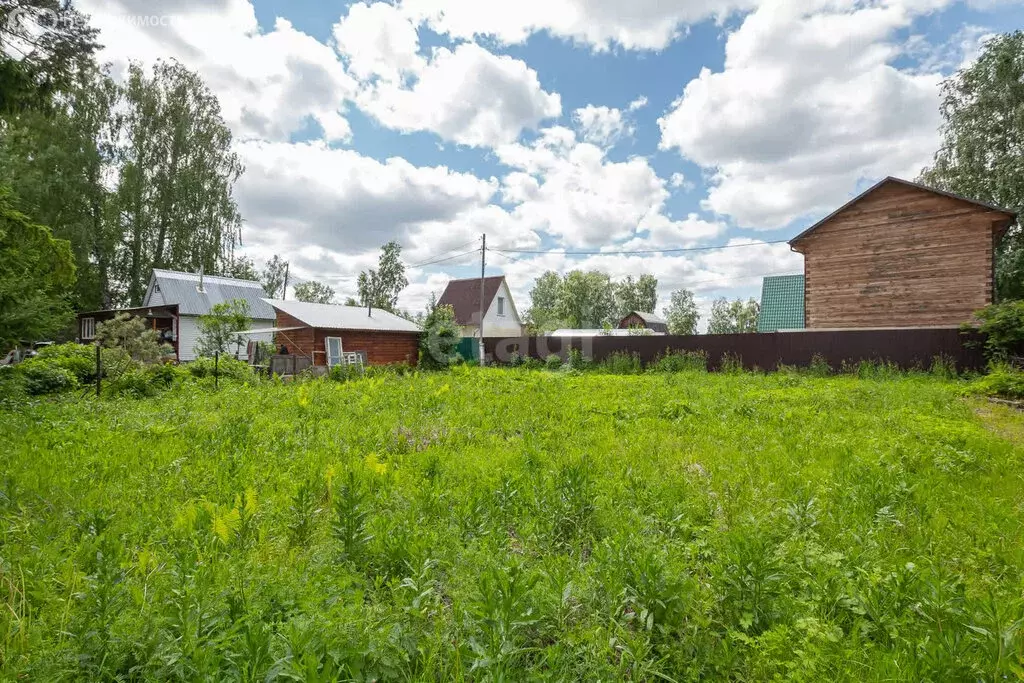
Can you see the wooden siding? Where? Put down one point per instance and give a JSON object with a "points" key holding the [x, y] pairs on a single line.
{"points": [[899, 257], [382, 348]]}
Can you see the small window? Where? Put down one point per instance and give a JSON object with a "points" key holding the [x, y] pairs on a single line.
{"points": [[334, 352], [88, 328], [501, 305]]}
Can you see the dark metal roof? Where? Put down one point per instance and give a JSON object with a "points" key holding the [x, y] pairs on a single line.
{"points": [[464, 297], [653, 321], [890, 179]]}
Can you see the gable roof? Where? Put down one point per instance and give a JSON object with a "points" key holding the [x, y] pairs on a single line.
{"points": [[175, 287], [1011, 215], [653, 321], [782, 303], [464, 297], [334, 317]]}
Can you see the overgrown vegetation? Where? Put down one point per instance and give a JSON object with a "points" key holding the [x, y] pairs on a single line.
{"points": [[503, 525]]}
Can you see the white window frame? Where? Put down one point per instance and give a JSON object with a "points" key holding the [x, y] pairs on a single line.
{"points": [[88, 328], [501, 306], [333, 360]]}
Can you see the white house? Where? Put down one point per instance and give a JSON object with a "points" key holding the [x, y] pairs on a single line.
{"points": [[501, 319], [175, 300]]}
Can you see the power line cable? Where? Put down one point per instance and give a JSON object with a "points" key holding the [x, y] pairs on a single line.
{"points": [[435, 257], [449, 258], [637, 251]]}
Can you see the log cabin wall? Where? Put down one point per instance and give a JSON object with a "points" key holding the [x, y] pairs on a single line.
{"points": [[899, 257], [382, 348]]}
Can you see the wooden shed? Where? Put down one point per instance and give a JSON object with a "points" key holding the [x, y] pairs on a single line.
{"points": [[900, 255], [325, 332]]}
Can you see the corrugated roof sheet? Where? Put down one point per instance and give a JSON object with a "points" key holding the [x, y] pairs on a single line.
{"points": [[782, 303], [183, 289], [333, 317], [649, 317]]}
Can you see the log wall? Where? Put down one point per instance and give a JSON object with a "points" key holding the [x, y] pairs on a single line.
{"points": [[899, 257]]}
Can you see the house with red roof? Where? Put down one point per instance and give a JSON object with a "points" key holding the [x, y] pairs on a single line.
{"points": [[501, 318]]}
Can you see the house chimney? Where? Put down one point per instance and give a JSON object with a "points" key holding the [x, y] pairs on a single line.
{"points": [[200, 287]]}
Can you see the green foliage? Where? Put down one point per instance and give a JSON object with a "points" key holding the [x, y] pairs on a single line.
{"points": [[314, 292], [635, 295], [733, 317], [621, 363], [273, 275], [132, 336], [576, 360], [1002, 381], [819, 367], [47, 379], [730, 364], [1003, 327], [553, 362], [983, 144], [441, 527], [681, 361], [440, 338], [225, 366], [78, 359], [36, 273], [380, 287], [345, 373], [219, 329], [682, 314]]}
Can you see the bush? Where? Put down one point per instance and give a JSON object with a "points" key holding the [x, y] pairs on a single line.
{"points": [[78, 359], [622, 363], [135, 382], [47, 379], [1003, 327], [577, 361], [531, 363], [681, 361], [731, 364], [553, 362], [344, 373], [1002, 381], [229, 367], [440, 338], [943, 366], [819, 367]]}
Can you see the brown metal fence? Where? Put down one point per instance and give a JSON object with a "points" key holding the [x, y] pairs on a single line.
{"points": [[906, 348]]}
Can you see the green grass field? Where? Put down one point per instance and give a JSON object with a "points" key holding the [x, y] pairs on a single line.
{"points": [[516, 525]]}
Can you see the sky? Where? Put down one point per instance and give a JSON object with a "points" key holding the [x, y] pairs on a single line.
{"points": [[720, 127]]}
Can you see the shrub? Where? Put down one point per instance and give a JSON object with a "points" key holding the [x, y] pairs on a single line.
{"points": [[78, 359], [873, 369], [943, 366], [229, 367], [131, 335], [681, 361], [731, 364], [819, 367], [553, 362], [622, 363], [440, 338], [1002, 381], [134, 382], [344, 373], [47, 379], [576, 360], [1003, 327], [531, 363]]}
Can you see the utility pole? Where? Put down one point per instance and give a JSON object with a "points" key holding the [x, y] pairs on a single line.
{"points": [[483, 267], [284, 290]]}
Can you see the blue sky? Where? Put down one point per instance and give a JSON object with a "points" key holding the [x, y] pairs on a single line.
{"points": [[561, 125]]}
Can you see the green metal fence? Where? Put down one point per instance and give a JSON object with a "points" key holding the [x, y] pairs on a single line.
{"points": [[469, 349]]}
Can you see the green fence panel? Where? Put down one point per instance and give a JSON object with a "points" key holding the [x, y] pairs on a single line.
{"points": [[469, 348]]}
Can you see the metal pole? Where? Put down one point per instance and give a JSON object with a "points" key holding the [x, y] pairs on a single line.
{"points": [[483, 267], [99, 370], [216, 370], [284, 290]]}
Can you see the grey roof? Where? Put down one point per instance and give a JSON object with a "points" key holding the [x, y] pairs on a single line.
{"points": [[173, 287], [333, 317]]}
